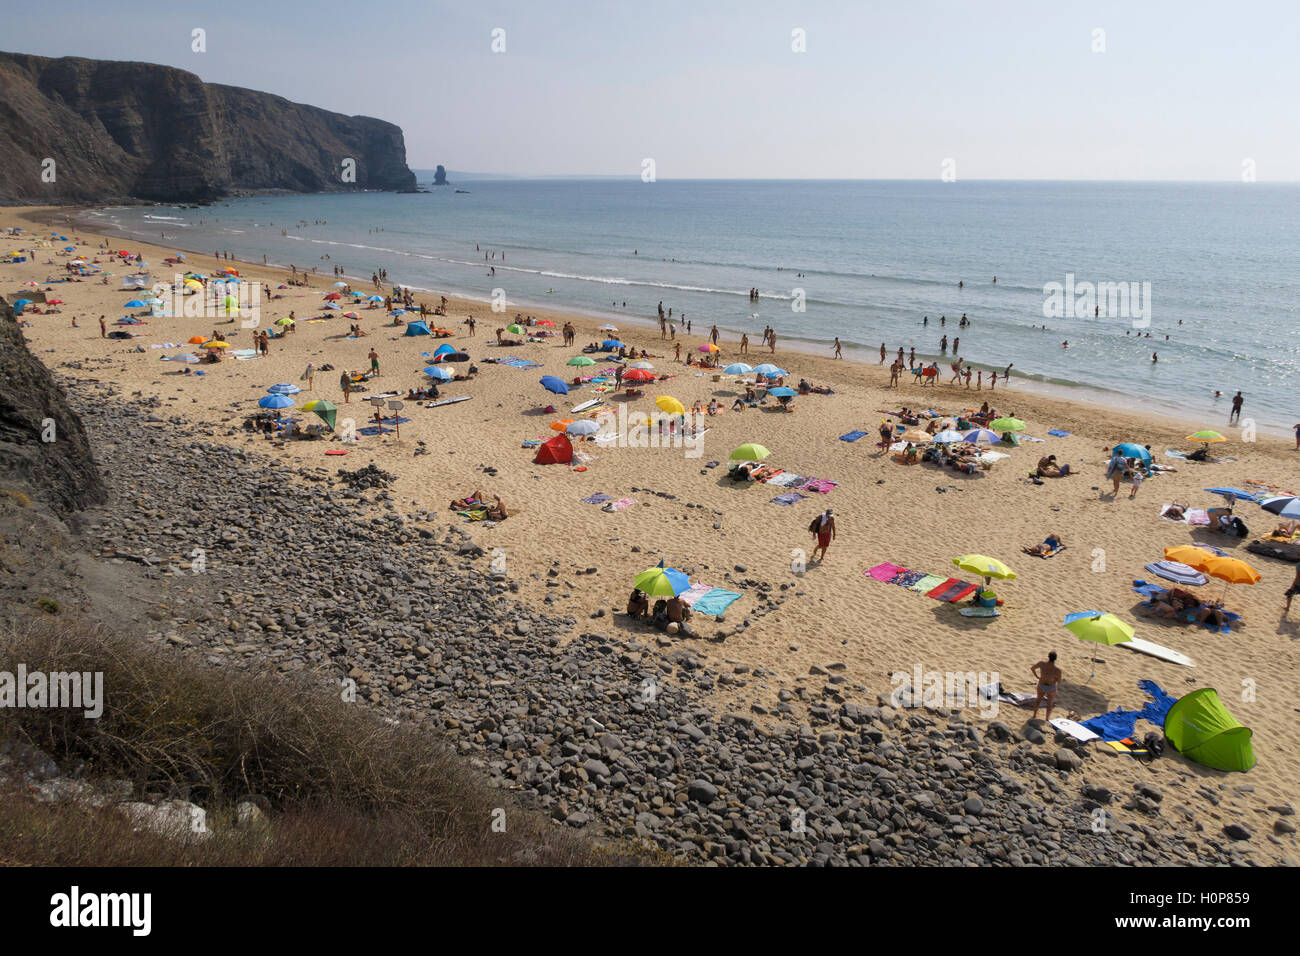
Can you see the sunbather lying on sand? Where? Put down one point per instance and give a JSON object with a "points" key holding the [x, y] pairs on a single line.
{"points": [[1051, 543], [475, 497]]}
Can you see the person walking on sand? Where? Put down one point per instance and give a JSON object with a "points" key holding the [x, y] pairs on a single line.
{"points": [[1292, 591], [1235, 415], [345, 383], [771, 342], [744, 350], [713, 335], [1049, 681], [839, 352], [103, 334], [1115, 469], [374, 362], [309, 375], [823, 529], [1137, 475], [883, 353]]}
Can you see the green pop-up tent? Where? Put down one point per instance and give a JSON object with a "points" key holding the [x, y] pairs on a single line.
{"points": [[1203, 730]]}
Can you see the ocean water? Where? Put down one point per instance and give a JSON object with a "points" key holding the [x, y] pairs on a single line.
{"points": [[1214, 267]]}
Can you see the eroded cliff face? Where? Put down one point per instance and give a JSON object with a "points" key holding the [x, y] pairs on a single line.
{"points": [[119, 131], [44, 451]]}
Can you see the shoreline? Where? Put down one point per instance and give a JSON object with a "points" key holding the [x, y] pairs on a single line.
{"points": [[1073, 395]]}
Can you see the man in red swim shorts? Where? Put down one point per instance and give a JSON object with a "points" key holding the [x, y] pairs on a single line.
{"points": [[823, 526]]}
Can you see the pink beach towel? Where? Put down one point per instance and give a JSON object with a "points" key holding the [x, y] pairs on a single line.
{"points": [[820, 485], [884, 572]]}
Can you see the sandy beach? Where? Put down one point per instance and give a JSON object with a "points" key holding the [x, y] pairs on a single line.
{"points": [[578, 559]]}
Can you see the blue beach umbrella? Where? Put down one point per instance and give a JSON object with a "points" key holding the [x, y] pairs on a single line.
{"points": [[947, 437], [1132, 450], [284, 388], [611, 344], [770, 370], [443, 350], [275, 401], [781, 392], [1231, 493], [1284, 506], [135, 304], [553, 384], [584, 427], [374, 298], [737, 368], [21, 303], [438, 372], [332, 305], [981, 435]]}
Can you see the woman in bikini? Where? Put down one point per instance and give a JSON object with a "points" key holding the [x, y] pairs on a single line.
{"points": [[1049, 681]]}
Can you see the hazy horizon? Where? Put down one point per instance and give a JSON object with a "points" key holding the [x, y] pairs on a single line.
{"points": [[763, 90]]}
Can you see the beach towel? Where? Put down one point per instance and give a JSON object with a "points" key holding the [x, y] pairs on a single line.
{"points": [[597, 499], [1127, 746], [785, 480], [697, 591], [852, 436], [622, 504], [1059, 433], [1119, 723], [823, 486], [884, 572], [927, 583], [373, 430], [1050, 554], [787, 499], [952, 590], [905, 578], [715, 602], [1198, 516], [1030, 438]]}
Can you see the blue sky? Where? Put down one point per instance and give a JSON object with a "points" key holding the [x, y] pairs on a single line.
{"points": [[1005, 89]]}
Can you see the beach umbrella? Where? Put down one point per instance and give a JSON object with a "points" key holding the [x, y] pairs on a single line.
{"points": [[340, 285], [197, 340], [984, 566], [332, 296], [580, 360], [708, 347], [562, 424], [670, 405], [553, 384], [60, 301], [770, 370], [443, 349], [784, 392], [1098, 628], [981, 435], [947, 437], [284, 388], [438, 372], [285, 321], [543, 322], [584, 427], [642, 365], [750, 451], [1177, 572], [216, 344], [325, 409], [738, 368], [350, 315], [515, 329], [912, 435], [607, 328], [1284, 506], [1133, 450], [1189, 555], [1233, 494], [638, 375], [1232, 570], [662, 582], [134, 304], [1007, 425], [335, 306], [22, 303], [374, 298], [611, 344], [275, 401], [1206, 436]]}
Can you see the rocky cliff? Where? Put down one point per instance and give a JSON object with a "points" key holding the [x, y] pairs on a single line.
{"points": [[118, 131], [44, 451]]}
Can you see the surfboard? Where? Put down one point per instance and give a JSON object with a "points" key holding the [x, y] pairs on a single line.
{"points": [[585, 406], [1073, 729], [979, 612], [448, 401], [1157, 650]]}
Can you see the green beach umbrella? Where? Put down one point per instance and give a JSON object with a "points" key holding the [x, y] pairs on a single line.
{"points": [[750, 451], [515, 329], [580, 360], [1007, 425], [324, 408], [1206, 435], [662, 582], [1098, 628]]}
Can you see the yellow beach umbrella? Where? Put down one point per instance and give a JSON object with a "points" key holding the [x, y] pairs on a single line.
{"points": [[670, 405], [216, 345], [984, 566]]}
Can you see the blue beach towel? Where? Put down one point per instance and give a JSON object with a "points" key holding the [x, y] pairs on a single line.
{"points": [[715, 602], [1120, 723], [1057, 432], [788, 498], [852, 436]]}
